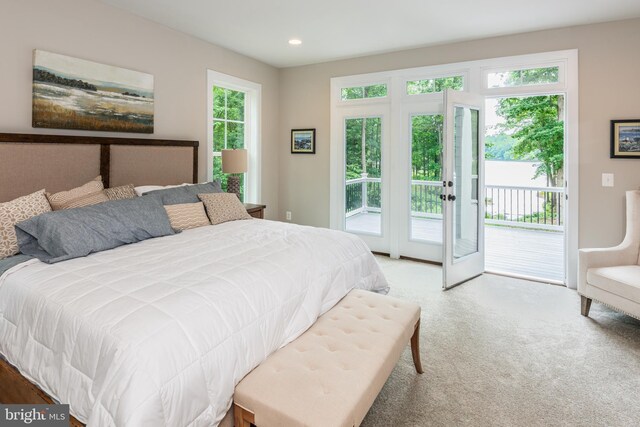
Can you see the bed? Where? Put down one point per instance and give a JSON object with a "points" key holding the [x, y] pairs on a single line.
{"points": [[159, 332]]}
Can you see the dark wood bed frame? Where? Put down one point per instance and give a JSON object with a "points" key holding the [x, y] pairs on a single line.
{"points": [[14, 387]]}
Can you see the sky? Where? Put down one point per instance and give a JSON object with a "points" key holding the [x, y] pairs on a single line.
{"points": [[490, 117]]}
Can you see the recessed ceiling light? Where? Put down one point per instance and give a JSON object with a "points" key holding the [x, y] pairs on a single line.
{"points": [[295, 42]]}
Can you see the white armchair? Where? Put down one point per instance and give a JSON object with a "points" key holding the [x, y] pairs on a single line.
{"points": [[612, 275]]}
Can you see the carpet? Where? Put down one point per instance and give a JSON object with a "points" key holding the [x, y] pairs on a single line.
{"points": [[499, 351]]}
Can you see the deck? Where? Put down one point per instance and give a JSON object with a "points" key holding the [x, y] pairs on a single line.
{"points": [[520, 251]]}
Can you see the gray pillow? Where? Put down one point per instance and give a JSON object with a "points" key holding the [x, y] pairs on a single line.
{"points": [[184, 194], [61, 235]]}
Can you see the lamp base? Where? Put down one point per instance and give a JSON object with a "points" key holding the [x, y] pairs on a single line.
{"points": [[233, 185]]}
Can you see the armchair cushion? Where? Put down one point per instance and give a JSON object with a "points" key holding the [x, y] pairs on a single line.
{"points": [[622, 280]]}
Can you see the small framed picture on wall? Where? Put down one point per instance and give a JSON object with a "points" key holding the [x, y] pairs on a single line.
{"points": [[625, 139], [303, 141]]}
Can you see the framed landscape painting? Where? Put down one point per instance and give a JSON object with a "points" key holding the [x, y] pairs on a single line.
{"points": [[71, 93], [625, 139], [303, 141]]}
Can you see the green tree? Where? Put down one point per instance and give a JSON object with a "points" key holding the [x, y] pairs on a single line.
{"points": [[535, 122], [426, 147]]}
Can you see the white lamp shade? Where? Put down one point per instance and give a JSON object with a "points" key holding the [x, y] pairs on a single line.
{"points": [[234, 161]]}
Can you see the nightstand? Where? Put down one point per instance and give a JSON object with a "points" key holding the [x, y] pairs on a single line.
{"points": [[256, 211]]}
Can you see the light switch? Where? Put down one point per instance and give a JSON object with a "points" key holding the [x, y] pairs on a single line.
{"points": [[607, 180]]}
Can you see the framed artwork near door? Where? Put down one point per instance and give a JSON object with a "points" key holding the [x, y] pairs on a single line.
{"points": [[303, 141], [625, 139]]}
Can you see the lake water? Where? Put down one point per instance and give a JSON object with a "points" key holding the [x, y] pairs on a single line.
{"points": [[520, 174], [106, 108]]}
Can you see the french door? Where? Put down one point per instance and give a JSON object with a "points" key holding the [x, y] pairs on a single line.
{"points": [[463, 188], [366, 176], [405, 210], [420, 232]]}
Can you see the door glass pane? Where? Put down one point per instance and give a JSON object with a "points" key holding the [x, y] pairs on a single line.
{"points": [[426, 177], [363, 154], [466, 208]]}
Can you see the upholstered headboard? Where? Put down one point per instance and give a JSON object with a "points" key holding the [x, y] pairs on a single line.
{"points": [[31, 162]]}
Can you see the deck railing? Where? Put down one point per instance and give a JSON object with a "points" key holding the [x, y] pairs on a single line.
{"points": [[531, 207], [534, 207]]}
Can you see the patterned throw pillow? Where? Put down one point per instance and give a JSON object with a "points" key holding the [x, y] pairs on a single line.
{"points": [[88, 194], [223, 207], [121, 193], [187, 215], [16, 211]]}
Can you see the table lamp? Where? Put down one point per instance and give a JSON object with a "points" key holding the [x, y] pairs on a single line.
{"points": [[234, 162]]}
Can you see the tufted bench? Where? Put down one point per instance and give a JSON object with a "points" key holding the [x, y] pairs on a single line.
{"points": [[331, 374]]}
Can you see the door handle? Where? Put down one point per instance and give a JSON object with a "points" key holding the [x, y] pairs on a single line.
{"points": [[451, 197], [450, 183], [443, 197]]}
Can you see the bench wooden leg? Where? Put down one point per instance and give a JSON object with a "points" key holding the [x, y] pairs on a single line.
{"points": [[415, 348], [585, 305], [242, 417]]}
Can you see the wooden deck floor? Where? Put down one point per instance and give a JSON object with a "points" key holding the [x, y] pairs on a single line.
{"points": [[533, 253]]}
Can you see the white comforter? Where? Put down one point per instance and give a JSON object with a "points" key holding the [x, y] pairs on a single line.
{"points": [[159, 332]]}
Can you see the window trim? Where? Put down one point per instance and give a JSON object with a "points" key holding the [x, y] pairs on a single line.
{"points": [[252, 130]]}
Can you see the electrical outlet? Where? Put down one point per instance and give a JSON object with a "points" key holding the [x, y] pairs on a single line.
{"points": [[607, 180], [288, 215]]}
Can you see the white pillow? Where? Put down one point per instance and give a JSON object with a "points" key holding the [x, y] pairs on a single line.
{"points": [[146, 188]]}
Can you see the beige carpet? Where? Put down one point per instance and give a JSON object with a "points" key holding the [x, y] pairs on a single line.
{"points": [[505, 352]]}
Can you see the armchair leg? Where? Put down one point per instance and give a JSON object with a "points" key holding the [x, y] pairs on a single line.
{"points": [[585, 305]]}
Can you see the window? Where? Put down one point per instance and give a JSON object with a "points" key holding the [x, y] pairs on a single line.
{"points": [[418, 87], [228, 129], [234, 113], [362, 92], [523, 77]]}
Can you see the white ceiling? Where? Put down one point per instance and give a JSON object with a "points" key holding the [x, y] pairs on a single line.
{"points": [[335, 29]]}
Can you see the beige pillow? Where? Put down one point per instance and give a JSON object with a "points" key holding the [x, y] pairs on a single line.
{"points": [[120, 193], [187, 215], [88, 194], [15, 211], [223, 207]]}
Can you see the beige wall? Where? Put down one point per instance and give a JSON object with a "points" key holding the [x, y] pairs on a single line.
{"points": [[91, 30], [609, 67], [299, 97]]}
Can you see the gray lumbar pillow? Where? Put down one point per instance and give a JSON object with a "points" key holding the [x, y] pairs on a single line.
{"points": [[61, 235], [184, 193]]}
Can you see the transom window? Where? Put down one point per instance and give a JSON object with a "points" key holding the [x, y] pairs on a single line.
{"points": [[523, 77], [419, 87], [363, 92]]}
